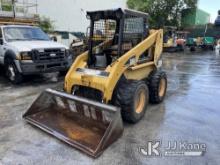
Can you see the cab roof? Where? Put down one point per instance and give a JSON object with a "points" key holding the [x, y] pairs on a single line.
{"points": [[115, 14]]}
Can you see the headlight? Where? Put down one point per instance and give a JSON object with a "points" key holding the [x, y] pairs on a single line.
{"points": [[26, 56], [67, 53]]}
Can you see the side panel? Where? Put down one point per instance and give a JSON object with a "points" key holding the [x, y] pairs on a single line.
{"points": [[139, 73]]}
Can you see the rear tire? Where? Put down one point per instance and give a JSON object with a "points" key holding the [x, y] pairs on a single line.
{"points": [[192, 49], [180, 48], [157, 86], [12, 72], [133, 98]]}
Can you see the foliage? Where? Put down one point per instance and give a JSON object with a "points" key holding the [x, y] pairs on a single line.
{"points": [[46, 24], [6, 7], [162, 12]]}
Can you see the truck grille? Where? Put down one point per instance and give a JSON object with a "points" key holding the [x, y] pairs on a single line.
{"points": [[48, 55]]}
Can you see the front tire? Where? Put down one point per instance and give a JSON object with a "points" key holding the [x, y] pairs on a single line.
{"points": [[180, 48], [192, 49], [212, 48], [12, 72], [133, 98], [157, 86]]}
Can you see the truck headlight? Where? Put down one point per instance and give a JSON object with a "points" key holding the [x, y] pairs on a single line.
{"points": [[67, 53], [26, 56]]}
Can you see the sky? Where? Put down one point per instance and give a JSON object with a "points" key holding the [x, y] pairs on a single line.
{"points": [[70, 15], [210, 6]]}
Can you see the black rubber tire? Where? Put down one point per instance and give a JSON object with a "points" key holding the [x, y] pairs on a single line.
{"points": [[212, 48], [18, 77], [180, 48], [124, 96], [154, 86], [192, 49]]}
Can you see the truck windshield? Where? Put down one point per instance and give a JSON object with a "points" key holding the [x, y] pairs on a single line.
{"points": [[24, 34]]}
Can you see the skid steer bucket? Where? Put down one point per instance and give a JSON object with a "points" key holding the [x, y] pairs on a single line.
{"points": [[84, 124]]}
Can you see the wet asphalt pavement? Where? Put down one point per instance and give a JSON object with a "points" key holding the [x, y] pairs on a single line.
{"points": [[190, 113]]}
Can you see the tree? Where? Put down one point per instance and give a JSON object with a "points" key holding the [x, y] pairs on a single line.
{"points": [[46, 24], [162, 12]]}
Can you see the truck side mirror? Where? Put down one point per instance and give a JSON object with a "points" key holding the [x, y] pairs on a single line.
{"points": [[1, 41]]}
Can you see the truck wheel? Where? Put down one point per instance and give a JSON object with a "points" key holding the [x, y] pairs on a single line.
{"points": [[157, 86], [192, 49], [180, 48], [212, 47], [12, 72], [133, 98]]}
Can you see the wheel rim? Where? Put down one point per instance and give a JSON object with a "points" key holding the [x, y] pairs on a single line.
{"points": [[162, 87], [11, 72], [140, 101]]}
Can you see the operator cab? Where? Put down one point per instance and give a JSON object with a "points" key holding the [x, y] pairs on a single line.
{"points": [[113, 33]]}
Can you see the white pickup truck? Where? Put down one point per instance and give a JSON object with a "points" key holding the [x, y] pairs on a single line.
{"points": [[26, 50]]}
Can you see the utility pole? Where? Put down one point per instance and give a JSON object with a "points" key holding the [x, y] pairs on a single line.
{"points": [[36, 7], [13, 7]]}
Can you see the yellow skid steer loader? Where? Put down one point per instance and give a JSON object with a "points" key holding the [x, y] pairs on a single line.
{"points": [[113, 80]]}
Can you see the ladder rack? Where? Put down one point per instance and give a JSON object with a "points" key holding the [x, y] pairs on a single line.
{"points": [[19, 12]]}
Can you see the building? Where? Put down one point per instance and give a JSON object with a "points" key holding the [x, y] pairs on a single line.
{"points": [[70, 15], [194, 17]]}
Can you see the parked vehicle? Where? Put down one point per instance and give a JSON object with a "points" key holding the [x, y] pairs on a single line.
{"points": [[208, 43], [173, 40], [26, 50], [191, 43], [205, 43]]}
